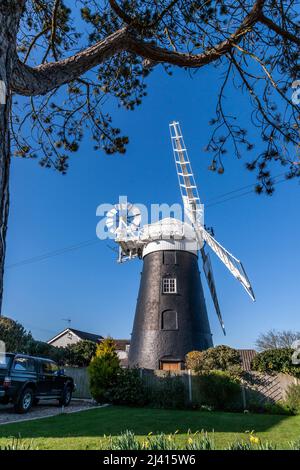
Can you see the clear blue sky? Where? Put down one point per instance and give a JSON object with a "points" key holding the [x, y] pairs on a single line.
{"points": [[50, 212]]}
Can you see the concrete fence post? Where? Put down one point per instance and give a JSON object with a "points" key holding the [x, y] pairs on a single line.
{"points": [[244, 396], [190, 386]]}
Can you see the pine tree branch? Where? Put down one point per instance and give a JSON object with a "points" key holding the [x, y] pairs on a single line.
{"points": [[44, 78]]}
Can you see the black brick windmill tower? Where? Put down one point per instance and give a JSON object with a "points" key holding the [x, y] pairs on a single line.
{"points": [[171, 317]]}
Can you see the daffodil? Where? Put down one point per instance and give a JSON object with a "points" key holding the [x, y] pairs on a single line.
{"points": [[254, 439]]}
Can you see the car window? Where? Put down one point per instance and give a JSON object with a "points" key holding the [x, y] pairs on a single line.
{"points": [[5, 361], [49, 368], [24, 364]]}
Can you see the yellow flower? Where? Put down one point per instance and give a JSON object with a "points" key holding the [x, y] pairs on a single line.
{"points": [[190, 440], [145, 445], [254, 439]]}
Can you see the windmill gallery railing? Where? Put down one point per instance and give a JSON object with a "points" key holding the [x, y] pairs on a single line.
{"points": [[262, 386]]}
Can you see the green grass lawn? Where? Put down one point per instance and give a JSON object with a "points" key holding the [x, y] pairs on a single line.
{"points": [[85, 430]]}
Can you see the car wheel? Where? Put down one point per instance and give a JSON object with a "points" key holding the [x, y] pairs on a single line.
{"points": [[66, 396], [25, 401]]}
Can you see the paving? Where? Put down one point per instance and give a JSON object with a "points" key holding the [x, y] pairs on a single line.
{"points": [[43, 409]]}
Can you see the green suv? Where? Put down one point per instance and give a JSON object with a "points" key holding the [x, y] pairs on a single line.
{"points": [[25, 380]]}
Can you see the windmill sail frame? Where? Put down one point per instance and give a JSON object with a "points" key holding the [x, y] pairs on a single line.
{"points": [[194, 211]]}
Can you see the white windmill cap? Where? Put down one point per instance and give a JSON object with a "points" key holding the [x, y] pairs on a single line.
{"points": [[169, 234]]}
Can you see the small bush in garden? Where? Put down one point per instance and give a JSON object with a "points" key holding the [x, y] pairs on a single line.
{"points": [[269, 407], [217, 358], [292, 399], [169, 393], [219, 390], [103, 370], [278, 408], [275, 360], [129, 389]]}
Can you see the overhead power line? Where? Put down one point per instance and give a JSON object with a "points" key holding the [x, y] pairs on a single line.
{"points": [[51, 254], [86, 243], [241, 189], [240, 195]]}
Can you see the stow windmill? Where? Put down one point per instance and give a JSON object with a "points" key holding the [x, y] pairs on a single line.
{"points": [[171, 317]]}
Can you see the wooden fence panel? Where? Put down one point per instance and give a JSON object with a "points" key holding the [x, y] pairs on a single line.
{"points": [[262, 387], [81, 379]]}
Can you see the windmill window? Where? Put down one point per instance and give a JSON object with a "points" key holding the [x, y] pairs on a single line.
{"points": [[169, 286], [169, 320]]}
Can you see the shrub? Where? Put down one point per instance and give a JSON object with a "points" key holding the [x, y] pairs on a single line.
{"points": [[219, 390], [194, 360], [103, 370], [275, 360], [169, 392], [217, 358], [293, 398], [129, 389], [278, 408]]}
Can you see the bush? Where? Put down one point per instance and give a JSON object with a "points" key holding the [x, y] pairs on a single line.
{"points": [[129, 389], [103, 370], [278, 408], [275, 360], [269, 407], [217, 358], [293, 398], [219, 390], [168, 393]]}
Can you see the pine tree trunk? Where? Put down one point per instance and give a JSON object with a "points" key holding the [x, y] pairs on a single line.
{"points": [[9, 20]]}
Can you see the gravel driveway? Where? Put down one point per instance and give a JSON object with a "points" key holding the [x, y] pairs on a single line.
{"points": [[42, 410]]}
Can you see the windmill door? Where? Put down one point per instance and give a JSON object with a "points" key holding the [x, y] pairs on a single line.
{"points": [[168, 365]]}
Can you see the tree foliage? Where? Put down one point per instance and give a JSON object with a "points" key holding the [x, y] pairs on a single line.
{"points": [[276, 360], [14, 335], [276, 339], [217, 358], [18, 340], [252, 45], [42, 349], [79, 354]]}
